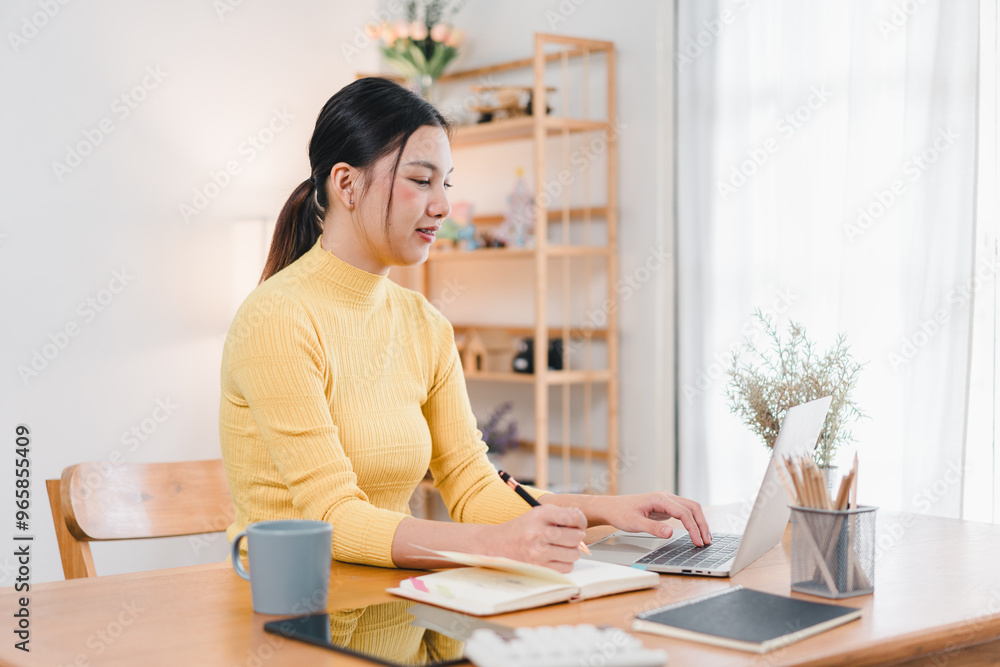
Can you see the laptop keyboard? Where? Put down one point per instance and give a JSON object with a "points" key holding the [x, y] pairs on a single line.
{"points": [[683, 553]]}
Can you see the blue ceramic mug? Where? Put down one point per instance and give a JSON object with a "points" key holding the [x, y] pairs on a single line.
{"points": [[289, 565]]}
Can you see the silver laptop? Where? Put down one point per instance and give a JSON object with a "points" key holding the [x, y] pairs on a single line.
{"points": [[728, 553]]}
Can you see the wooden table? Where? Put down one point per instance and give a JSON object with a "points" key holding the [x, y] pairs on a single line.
{"points": [[937, 591]]}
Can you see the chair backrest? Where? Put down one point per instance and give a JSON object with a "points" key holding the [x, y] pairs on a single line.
{"points": [[102, 501]]}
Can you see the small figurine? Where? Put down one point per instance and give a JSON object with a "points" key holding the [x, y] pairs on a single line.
{"points": [[457, 230], [518, 227]]}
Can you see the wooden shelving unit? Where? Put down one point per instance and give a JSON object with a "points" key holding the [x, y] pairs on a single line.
{"points": [[551, 261]]}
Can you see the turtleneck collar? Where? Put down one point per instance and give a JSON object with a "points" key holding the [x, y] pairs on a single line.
{"points": [[358, 282]]}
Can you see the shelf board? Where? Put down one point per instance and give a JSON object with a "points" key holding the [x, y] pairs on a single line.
{"points": [[520, 128], [515, 253], [481, 253], [521, 332], [576, 251], [554, 215], [552, 377], [583, 47], [556, 449]]}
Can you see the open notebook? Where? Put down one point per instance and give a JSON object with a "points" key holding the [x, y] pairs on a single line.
{"points": [[495, 585]]}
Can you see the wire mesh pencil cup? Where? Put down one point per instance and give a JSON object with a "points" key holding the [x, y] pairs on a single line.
{"points": [[833, 551]]}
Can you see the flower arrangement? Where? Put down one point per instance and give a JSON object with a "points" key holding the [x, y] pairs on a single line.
{"points": [[421, 47], [762, 388], [500, 430]]}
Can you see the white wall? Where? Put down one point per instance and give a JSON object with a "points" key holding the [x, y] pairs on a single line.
{"points": [[154, 334]]}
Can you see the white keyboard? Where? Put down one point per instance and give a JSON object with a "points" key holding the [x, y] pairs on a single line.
{"points": [[561, 646]]}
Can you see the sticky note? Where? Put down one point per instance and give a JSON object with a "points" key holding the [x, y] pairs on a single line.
{"points": [[444, 591], [419, 585]]}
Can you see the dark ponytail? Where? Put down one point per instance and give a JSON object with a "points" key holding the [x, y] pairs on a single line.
{"points": [[363, 122]]}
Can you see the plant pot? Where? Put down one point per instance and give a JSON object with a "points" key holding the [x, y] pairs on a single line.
{"points": [[831, 475], [423, 85]]}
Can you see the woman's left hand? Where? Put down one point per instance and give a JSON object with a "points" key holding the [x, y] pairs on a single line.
{"points": [[644, 512]]}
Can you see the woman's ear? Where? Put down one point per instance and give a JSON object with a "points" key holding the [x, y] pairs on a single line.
{"points": [[341, 183]]}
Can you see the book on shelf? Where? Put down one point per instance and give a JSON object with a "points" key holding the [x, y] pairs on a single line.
{"points": [[744, 619], [496, 585]]}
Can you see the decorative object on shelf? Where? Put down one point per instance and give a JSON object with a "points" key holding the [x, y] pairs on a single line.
{"points": [[487, 238], [524, 362], [487, 350], [518, 227], [762, 388], [421, 47], [457, 230], [500, 430], [499, 102]]}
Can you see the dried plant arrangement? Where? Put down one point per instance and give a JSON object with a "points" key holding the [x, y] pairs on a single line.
{"points": [[769, 381], [500, 430]]}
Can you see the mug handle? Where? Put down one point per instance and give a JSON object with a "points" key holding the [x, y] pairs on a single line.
{"points": [[237, 562]]}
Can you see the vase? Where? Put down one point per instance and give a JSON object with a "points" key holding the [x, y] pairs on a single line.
{"points": [[832, 478], [423, 85]]}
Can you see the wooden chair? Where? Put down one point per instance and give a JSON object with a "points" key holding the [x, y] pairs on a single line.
{"points": [[102, 501]]}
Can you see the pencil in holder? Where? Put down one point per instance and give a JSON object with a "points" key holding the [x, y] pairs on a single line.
{"points": [[833, 551]]}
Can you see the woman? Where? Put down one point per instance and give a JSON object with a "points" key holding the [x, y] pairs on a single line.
{"points": [[340, 388]]}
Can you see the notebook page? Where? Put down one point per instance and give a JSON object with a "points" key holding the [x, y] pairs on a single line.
{"points": [[507, 565], [482, 591], [595, 578]]}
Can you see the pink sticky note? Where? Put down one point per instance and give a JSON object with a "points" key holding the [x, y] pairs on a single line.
{"points": [[419, 585]]}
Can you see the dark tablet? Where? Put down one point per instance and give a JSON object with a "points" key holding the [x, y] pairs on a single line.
{"points": [[397, 633]]}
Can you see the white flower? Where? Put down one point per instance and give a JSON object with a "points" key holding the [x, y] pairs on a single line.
{"points": [[388, 33], [440, 32], [418, 31]]}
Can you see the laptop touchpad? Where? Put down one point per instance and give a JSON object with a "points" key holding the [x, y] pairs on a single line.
{"points": [[622, 549]]}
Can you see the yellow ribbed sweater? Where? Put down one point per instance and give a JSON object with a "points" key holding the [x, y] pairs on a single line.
{"points": [[339, 390], [384, 630]]}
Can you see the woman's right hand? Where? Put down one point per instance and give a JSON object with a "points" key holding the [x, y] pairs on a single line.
{"points": [[545, 535]]}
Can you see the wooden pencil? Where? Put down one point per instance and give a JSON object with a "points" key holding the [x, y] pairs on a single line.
{"points": [[780, 467]]}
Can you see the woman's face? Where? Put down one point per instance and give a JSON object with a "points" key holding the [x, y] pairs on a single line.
{"points": [[419, 200]]}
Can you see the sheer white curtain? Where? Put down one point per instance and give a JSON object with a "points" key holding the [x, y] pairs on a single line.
{"points": [[827, 173]]}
